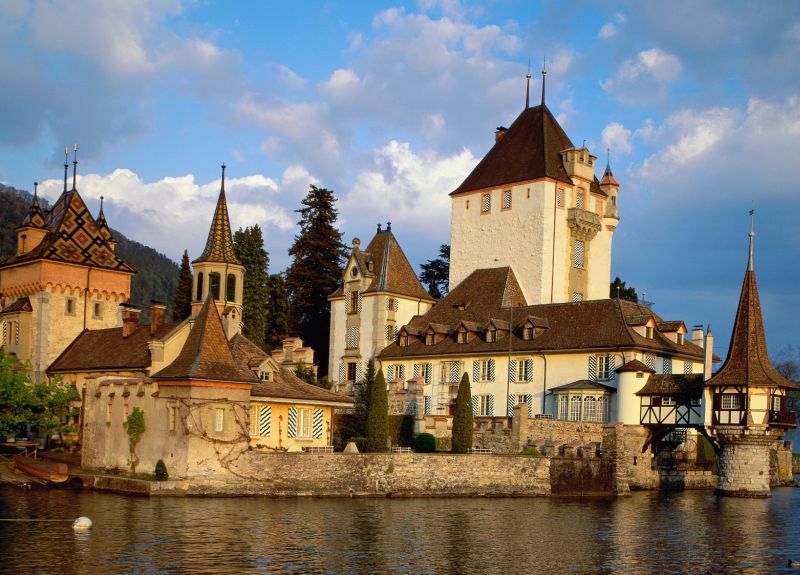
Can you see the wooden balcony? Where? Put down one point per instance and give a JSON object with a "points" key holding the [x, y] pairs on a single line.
{"points": [[783, 418]]}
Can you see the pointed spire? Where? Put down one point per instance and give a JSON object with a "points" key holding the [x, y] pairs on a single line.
{"points": [[66, 167], [752, 235], [35, 217], [748, 361], [74, 165], [528, 87], [219, 245], [544, 77], [608, 178]]}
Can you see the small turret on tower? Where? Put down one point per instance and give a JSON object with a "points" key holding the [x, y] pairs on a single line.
{"points": [[610, 186], [33, 229]]}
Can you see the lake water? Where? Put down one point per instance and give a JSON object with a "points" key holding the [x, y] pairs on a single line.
{"points": [[649, 532]]}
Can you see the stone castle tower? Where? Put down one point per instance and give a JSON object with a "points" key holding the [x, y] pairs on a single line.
{"points": [[534, 203], [218, 272], [64, 278]]}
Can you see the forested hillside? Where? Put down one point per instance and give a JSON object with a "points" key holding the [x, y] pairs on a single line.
{"points": [[156, 275]]}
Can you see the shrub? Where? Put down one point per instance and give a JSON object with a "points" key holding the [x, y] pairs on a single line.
{"points": [[378, 416], [530, 452], [462, 420], [161, 471], [424, 443]]}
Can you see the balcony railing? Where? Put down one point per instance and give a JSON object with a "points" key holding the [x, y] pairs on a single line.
{"points": [[783, 418]]}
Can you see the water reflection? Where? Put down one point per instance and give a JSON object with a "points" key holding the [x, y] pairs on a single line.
{"points": [[690, 532]]}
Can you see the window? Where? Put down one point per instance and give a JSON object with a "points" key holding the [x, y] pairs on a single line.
{"points": [[462, 336], [305, 423], [70, 306], [589, 408], [199, 294], [24, 244], [648, 332], [731, 401], [354, 272], [355, 297], [680, 339], [351, 371], [219, 419], [666, 400], [485, 405], [527, 333], [265, 375], [97, 310], [430, 338], [425, 372], [214, 281], [687, 367], [171, 417], [352, 337], [695, 401], [602, 367], [391, 331], [525, 370], [560, 197], [404, 340], [579, 199], [391, 304], [577, 296], [575, 408], [486, 203], [776, 403], [563, 407], [578, 251], [491, 335], [230, 288], [485, 371], [667, 365], [506, 199]]}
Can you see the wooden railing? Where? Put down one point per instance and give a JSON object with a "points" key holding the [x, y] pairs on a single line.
{"points": [[783, 418]]}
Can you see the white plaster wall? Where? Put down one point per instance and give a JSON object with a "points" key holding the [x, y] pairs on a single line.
{"points": [[337, 337]]}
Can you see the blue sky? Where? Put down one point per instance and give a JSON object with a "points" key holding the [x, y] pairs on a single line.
{"points": [[392, 104]]}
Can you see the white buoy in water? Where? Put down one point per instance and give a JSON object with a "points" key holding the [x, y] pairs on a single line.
{"points": [[82, 524]]}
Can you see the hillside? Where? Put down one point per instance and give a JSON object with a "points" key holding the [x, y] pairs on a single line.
{"points": [[156, 275]]}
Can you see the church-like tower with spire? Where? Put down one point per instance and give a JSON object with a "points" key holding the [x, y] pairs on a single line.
{"points": [[64, 278], [218, 272], [534, 203]]}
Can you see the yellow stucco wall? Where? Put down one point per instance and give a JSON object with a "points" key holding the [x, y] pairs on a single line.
{"points": [[278, 437]]}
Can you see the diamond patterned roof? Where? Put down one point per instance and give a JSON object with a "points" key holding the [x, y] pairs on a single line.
{"points": [[219, 245]]}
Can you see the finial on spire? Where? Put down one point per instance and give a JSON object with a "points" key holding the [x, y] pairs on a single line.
{"points": [[544, 76], [528, 87], [35, 190], [379, 228], [74, 165], [223, 178], [66, 167], [750, 266], [608, 159], [101, 204], [388, 226]]}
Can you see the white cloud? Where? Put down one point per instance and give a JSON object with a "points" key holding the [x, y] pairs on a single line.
{"points": [[290, 78], [617, 137], [644, 77], [343, 82], [608, 30]]}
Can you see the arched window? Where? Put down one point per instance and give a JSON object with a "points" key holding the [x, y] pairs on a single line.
{"points": [[199, 286], [230, 288], [213, 284], [575, 408], [589, 408]]}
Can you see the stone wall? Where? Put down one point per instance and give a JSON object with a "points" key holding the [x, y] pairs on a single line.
{"points": [[687, 479], [400, 474], [638, 466], [780, 467], [744, 462]]}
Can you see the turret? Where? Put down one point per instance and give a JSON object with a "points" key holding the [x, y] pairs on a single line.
{"points": [[610, 186], [33, 229]]}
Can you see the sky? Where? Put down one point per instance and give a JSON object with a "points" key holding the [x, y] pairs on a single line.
{"points": [[391, 104]]}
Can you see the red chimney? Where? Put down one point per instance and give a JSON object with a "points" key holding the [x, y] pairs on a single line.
{"points": [[130, 318], [157, 312]]}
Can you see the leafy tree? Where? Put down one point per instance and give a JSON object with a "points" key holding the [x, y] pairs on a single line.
{"points": [[436, 273], [620, 291], [306, 373], [52, 408], [15, 398], [315, 272], [277, 311], [462, 419], [182, 304], [378, 417], [248, 244]]}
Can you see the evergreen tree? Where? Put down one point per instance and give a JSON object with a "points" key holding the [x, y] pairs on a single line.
{"points": [[436, 273], [619, 291], [277, 312], [248, 244], [362, 394], [462, 419], [315, 272], [378, 417], [182, 304]]}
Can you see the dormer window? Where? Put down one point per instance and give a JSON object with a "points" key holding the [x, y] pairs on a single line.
{"points": [[430, 338], [354, 272], [648, 332], [527, 333], [265, 375], [491, 335], [404, 340], [462, 337], [680, 339]]}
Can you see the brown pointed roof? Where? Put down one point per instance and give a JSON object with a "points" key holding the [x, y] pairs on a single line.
{"points": [[73, 237], [530, 149], [748, 361], [635, 365], [206, 354], [608, 178], [219, 245]]}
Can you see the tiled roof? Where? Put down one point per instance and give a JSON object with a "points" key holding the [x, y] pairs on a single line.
{"points": [[748, 361], [635, 365], [206, 354], [530, 149], [673, 384], [73, 237], [219, 245], [668, 326], [583, 384], [34, 218], [106, 350], [485, 294], [608, 178], [22, 304]]}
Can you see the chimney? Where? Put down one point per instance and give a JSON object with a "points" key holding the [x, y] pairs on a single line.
{"points": [[130, 318], [157, 311], [499, 133], [709, 355], [697, 335]]}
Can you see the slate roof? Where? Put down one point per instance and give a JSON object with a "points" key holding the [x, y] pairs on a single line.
{"points": [[673, 384], [73, 236], [748, 361], [206, 354], [530, 149], [219, 245], [22, 304], [388, 267], [286, 383], [486, 294], [106, 350], [582, 384]]}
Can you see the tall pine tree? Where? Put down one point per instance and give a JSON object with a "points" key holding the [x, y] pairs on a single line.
{"points": [[182, 304], [248, 244], [378, 416], [315, 272], [277, 312]]}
